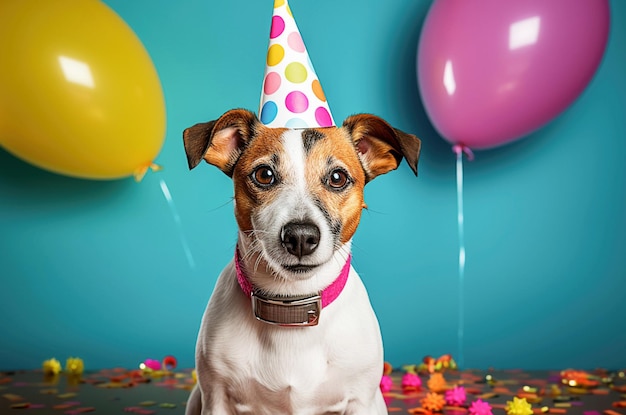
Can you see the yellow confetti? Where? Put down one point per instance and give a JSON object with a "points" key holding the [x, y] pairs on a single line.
{"points": [[518, 407], [51, 367], [74, 365]]}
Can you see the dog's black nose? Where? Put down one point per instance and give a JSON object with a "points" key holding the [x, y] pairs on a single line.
{"points": [[300, 238]]}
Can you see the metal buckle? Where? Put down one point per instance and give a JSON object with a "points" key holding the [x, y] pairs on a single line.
{"points": [[288, 311]]}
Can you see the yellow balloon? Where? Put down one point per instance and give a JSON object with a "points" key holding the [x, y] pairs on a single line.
{"points": [[79, 94]]}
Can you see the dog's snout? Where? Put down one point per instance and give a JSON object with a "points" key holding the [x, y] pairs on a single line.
{"points": [[300, 239]]}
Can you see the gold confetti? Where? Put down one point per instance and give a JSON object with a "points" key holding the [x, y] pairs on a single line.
{"points": [[74, 365], [51, 367]]}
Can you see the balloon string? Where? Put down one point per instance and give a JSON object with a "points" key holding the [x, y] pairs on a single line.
{"points": [[460, 150], [179, 228]]}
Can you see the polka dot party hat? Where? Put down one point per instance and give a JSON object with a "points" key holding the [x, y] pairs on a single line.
{"points": [[292, 96]]}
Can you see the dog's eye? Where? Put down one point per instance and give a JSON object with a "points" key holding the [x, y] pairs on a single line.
{"points": [[338, 179], [263, 176]]}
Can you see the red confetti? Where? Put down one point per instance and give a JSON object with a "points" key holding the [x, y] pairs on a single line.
{"points": [[81, 410], [138, 410]]}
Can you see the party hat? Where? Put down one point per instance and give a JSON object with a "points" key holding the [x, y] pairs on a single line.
{"points": [[292, 95]]}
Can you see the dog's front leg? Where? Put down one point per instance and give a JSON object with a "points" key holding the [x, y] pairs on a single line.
{"points": [[375, 406], [194, 403], [212, 403]]}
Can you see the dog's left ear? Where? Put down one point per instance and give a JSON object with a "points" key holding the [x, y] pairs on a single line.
{"points": [[380, 146]]}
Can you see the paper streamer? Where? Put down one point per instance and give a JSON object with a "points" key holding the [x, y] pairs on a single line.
{"points": [[179, 228]]}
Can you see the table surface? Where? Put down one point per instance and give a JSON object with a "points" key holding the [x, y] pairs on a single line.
{"points": [[114, 391]]}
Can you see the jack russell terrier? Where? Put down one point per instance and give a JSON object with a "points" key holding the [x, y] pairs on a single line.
{"points": [[289, 328]]}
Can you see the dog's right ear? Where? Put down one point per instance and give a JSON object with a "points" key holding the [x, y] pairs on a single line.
{"points": [[220, 142]]}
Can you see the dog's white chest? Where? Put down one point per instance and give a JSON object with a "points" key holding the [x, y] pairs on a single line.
{"points": [[291, 378], [254, 368]]}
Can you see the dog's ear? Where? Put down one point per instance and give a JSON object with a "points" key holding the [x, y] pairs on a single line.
{"points": [[220, 142], [380, 146]]}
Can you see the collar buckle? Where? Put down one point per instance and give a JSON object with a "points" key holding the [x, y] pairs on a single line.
{"points": [[287, 311]]}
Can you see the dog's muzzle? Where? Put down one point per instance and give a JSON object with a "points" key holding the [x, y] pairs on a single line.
{"points": [[287, 311]]}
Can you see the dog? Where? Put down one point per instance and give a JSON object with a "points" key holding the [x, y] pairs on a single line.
{"points": [[289, 328]]}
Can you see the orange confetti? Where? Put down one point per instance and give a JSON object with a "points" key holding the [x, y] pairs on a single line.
{"points": [[455, 408], [557, 411], [387, 368], [619, 404], [487, 395], [611, 412], [433, 402], [436, 382], [13, 397]]}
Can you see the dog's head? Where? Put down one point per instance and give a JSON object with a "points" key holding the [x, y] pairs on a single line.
{"points": [[299, 192]]}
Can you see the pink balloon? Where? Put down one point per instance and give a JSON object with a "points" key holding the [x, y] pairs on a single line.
{"points": [[492, 71]]}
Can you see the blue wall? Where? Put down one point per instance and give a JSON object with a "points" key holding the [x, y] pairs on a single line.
{"points": [[114, 273]]}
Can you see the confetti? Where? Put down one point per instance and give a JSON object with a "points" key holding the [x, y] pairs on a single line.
{"points": [[28, 390], [12, 397], [456, 396], [138, 410], [169, 363], [81, 410], [411, 381], [488, 395], [518, 406], [433, 402], [386, 383], [150, 364], [66, 405], [436, 382], [479, 407], [51, 367], [74, 365]]}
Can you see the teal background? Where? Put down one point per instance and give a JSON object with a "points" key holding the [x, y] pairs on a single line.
{"points": [[114, 273]]}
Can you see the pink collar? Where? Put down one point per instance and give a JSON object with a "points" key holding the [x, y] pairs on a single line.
{"points": [[291, 311]]}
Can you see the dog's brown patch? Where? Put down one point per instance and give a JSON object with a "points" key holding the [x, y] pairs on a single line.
{"points": [[263, 148], [334, 150]]}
